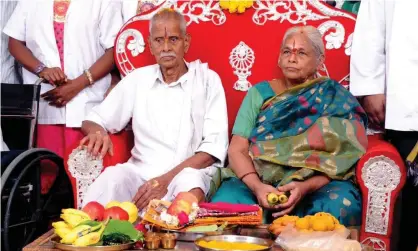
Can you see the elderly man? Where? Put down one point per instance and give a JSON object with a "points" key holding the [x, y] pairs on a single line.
{"points": [[179, 120]]}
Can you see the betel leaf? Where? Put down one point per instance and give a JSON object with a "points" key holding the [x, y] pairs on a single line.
{"points": [[123, 227]]}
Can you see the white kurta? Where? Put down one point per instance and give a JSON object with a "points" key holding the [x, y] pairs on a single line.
{"points": [[91, 28], [7, 61], [170, 124], [385, 59]]}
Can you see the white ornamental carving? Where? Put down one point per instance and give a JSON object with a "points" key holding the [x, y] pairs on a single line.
{"points": [[348, 45], [207, 11], [136, 46], [193, 11], [242, 59], [293, 11], [381, 176], [84, 169], [375, 243], [334, 39]]}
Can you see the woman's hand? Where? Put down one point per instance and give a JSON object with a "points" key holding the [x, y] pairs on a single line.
{"points": [[54, 76], [261, 191], [297, 190]]}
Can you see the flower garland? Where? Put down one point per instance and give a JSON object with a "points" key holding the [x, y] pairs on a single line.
{"points": [[235, 5]]}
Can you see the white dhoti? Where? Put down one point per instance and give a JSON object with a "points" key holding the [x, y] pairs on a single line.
{"points": [[121, 182]]}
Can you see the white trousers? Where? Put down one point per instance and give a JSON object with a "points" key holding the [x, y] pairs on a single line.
{"points": [[121, 182]]}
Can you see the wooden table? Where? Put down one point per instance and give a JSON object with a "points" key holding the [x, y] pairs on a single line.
{"points": [[43, 244]]}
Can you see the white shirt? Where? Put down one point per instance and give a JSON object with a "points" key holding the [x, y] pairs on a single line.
{"points": [[129, 9], [162, 118], [7, 61], [91, 28], [385, 59]]}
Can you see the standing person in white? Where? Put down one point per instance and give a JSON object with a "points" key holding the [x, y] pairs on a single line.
{"points": [[179, 120], [131, 8], [384, 66], [69, 43]]}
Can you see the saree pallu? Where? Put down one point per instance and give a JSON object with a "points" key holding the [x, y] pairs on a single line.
{"points": [[314, 127]]}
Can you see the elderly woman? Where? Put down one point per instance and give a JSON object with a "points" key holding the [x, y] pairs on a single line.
{"points": [[301, 134]]}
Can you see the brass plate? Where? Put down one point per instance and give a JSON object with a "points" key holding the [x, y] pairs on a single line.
{"points": [[57, 244], [192, 236], [235, 238]]}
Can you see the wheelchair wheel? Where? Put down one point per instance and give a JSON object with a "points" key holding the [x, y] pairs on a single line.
{"points": [[26, 211]]}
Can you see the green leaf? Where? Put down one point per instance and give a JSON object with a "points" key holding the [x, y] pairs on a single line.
{"points": [[123, 227], [90, 223]]}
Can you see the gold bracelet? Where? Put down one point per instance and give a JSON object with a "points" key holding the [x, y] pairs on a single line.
{"points": [[89, 76]]}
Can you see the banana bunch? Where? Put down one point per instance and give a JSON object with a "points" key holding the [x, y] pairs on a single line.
{"points": [[78, 229]]}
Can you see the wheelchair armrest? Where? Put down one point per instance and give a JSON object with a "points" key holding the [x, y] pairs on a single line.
{"points": [[381, 175]]}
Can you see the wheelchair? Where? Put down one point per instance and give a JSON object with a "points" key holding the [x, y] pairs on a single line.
{"points": [[34, 184]]}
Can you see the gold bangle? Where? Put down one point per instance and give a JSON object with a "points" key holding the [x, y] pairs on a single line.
{"points": [[89, 76]]}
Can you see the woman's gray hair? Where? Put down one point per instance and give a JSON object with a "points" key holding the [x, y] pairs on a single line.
{"points": [[168, 14], [312, 33]]}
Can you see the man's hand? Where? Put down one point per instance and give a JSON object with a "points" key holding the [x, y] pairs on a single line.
{"points": [[298, 190], [61, 95], [98, 142], [375, 106], [54, 76], [261, 192], [152, 189]]}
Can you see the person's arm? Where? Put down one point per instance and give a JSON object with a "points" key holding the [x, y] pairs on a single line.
{"points": [[109, 25], [115, 112], [241, 162], [112, 115], [214, 145], [23, 55], [368, 56]]}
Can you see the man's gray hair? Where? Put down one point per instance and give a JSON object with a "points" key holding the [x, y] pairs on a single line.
{"points": [[169, 14], [312, 34]]}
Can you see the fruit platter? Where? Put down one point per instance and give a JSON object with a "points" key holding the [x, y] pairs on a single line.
{"points": [[98, 227]]}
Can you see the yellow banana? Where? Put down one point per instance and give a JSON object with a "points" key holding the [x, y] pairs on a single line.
{"points": [[61, 232], [60, 224], [72, 220], [93, 236], [88, 239], [76, 212], [74, 234]]}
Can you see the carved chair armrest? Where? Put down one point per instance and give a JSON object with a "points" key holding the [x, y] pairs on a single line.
{"points": [[381, 175]]}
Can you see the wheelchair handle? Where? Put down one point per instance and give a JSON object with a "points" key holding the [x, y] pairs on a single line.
{"points": [[39, 81]]}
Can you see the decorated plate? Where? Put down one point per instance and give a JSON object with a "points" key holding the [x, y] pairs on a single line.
{"points": [[58, 245]]}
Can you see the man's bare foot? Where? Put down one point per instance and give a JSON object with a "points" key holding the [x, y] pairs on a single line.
{"points": [[200, 195]]}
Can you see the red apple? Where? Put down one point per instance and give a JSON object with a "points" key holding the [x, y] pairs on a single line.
{"points": [[95, 210], [116, 213], [182, 202]]}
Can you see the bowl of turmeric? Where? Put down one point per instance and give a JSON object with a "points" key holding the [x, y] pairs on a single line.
{"points": [[233, 242]]}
